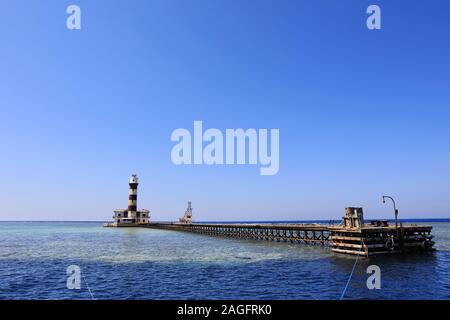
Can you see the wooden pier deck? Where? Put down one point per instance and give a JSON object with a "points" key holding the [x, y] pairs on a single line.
{"points": [[301, 233]]}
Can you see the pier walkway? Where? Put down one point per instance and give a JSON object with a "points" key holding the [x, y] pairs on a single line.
{"points": [[304, 233]]}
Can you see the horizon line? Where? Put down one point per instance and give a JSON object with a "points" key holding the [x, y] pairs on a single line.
{"points": [[250, 221]]}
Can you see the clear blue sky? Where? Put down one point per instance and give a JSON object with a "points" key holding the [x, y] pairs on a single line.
{"points": [[361, 113]]}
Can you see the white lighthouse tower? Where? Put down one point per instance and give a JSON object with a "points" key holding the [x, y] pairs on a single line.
{"points": [[131, 215], [187, 218]]}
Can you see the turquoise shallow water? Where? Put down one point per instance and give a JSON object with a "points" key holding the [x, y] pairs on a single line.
{"points": [[157, 264]]}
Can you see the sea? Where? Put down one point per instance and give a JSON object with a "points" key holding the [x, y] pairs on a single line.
{"points": [[38, 259]]}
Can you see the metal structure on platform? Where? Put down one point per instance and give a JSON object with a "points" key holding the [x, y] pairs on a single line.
{"points": [[187, 218]]}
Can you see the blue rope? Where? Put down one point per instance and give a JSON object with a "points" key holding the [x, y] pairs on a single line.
{"points": [[87, 285], [351, 274]]}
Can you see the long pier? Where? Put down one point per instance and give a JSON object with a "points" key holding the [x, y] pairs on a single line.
{"points": [[365, 240], [301, 233], [352, 236]]}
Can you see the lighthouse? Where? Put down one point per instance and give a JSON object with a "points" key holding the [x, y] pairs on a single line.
{"points": [[132, 215]]}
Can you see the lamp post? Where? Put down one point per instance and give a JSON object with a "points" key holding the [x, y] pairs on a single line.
{"points": [[395, 208]]}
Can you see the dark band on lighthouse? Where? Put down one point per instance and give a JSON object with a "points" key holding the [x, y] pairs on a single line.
{"points": [[132, 194]]}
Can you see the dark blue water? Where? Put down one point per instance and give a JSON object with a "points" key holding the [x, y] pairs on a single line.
{"points": [[156, 264]]}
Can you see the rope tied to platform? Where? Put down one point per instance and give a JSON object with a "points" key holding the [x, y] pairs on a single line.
{"points": [[87, 285], [351, 273]]}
